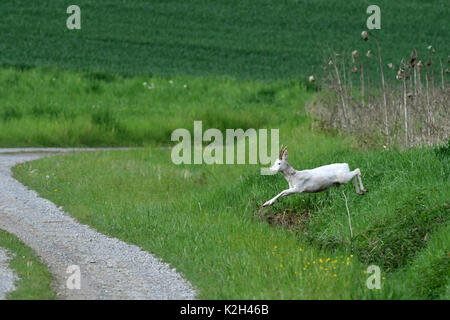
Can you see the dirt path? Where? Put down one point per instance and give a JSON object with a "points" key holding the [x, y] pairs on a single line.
{"points": [[110, 268]]}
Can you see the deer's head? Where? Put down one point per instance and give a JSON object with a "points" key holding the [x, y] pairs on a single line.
{"points": [[281, 163]]}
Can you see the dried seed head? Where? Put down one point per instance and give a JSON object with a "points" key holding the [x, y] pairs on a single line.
{"points": [[369, 54], [446, 71], [365, 35], [337, 55], [355, 53], [399, 74], [412, 60], [420, 64], [354, 70], [330, 63], [311, 79], [390, 65]]}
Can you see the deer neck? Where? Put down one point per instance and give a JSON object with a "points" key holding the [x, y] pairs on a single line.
{"points": [[289, 173]]}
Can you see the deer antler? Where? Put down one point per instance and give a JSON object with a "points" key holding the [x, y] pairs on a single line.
{"points": [[283, 149], [281, 152]]}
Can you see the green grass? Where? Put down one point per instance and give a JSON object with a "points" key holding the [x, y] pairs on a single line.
{"points": [[48, 107], [35, 278], [265, 39], [211, 62], [205, 220]]}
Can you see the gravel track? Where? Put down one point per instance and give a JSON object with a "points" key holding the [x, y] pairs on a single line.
{"points": [[110, 268]]}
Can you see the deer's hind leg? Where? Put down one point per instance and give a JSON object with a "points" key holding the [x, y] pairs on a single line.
{"points": [[356, 186], [352, 175], [355, 174], [360, 182]]}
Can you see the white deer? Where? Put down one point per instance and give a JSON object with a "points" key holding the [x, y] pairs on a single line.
{"points": [[313, 180]]}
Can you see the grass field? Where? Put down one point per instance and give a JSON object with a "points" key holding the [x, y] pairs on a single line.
{"points": [[263, 39], [47, 107], [35, 278], [137, 70], [206, 220]]}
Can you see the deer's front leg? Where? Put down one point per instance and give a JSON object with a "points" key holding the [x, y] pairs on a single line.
{"points": [[281, 194]]}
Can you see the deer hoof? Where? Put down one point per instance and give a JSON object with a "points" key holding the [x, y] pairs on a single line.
{"points": [[267, 203]]}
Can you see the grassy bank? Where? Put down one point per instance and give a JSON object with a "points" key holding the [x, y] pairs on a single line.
{"points": [[35, 278], [207, 222]]}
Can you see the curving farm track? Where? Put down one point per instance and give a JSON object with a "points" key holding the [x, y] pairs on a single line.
{"points": [[110, 268]]}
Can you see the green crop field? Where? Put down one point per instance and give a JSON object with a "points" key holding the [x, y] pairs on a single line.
{"points": [[262, 39]]}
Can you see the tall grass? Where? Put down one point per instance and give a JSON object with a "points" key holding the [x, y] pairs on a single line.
{"points": [[48, 107]]}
